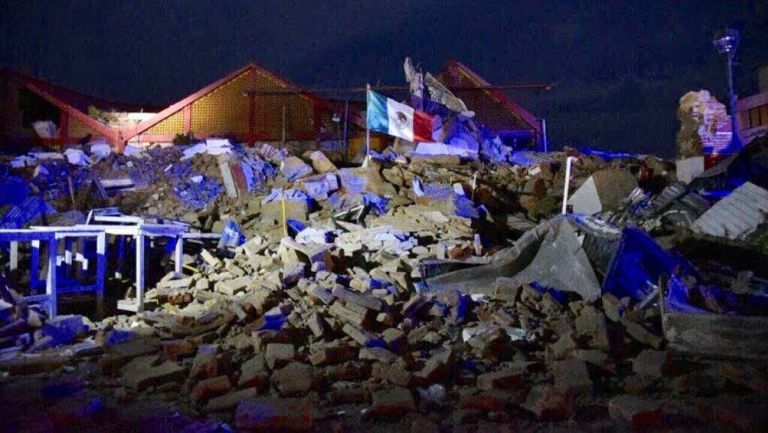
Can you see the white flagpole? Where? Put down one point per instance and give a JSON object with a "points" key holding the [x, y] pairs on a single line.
{"points": [[367, 129], [568, 162]]}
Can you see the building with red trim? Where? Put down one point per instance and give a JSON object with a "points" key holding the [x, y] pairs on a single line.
{"points": [[233, 107], [493, 108], [248, 105], [25, 99], [230, 107], [753, 110]]}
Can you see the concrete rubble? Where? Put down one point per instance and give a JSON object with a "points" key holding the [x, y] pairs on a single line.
{"points": [[405, 294]]}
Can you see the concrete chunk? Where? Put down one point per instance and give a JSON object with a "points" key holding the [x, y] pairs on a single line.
{"points": [[390, 402]]}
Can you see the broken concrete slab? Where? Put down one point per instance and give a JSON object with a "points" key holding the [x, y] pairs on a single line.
{"points": [[144, 372], [390, 402]]}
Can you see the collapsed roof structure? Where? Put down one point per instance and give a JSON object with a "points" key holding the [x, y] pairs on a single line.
{"points": [[25, 99], [498, 113]]}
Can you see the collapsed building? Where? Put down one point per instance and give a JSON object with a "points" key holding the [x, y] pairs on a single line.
{"points": [[217, 285], [62, 114]]}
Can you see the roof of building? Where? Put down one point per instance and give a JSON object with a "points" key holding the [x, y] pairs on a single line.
{"points": [[73, 98], [492, 107], [266, 79]]}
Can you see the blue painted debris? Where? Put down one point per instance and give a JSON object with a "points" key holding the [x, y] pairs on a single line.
{"points": [[26, 213], [688, 296], [63, 329], [13, 190], [256, 173], [53, 176], [606, 155], [319, 187], [352, 182], [197, 195], [376, 203], [117, 336], [294, 226], [637, 265], [441, 193], [274, 320], [278, 194], [232, 235], [558, 295], [294, 168], [465, 208]]}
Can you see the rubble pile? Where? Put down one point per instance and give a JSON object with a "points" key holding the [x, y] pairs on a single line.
{"points": [[427, 294], [704, 125]]}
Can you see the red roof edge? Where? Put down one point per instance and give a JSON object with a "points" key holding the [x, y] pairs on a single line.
{"points": [[497, 94], [177, 106]]}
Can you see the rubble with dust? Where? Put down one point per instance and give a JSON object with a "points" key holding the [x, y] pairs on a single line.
{"points": [[415, 292]]}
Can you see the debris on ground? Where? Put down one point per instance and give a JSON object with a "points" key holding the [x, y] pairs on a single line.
{"points": [[424, 289]]}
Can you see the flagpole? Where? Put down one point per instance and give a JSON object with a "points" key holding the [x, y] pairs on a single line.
{"points": [[367, 129]]}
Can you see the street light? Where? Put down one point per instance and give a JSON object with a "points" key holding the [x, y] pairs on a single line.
{"points": [[727, 44]]}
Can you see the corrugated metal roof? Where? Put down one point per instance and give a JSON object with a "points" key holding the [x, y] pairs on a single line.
{"points": [[737, 214]]}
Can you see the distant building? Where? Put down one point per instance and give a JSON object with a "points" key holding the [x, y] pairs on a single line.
{"points": [[493, 108], [753, 110]]}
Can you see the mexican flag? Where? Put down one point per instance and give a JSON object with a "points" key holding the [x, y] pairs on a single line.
{"points": [[391, 117]]}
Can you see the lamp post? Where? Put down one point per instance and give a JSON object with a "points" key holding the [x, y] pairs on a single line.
{"points": [[727, 44]]}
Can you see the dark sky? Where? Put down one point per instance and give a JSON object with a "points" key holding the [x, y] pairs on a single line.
{"points": [[620, 67]]}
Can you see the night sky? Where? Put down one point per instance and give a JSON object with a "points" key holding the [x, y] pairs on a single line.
{"points": [[619, 69]]}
